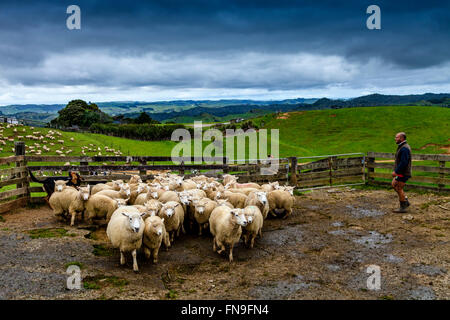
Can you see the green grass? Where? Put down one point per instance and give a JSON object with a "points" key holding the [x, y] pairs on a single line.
{"points": [[102, 251], [306, 133], [74, 263], [2, 219], [101, 281], [49, 233]]}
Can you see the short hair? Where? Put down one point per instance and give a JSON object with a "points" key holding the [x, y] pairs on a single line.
{"points": [[403, 135]]}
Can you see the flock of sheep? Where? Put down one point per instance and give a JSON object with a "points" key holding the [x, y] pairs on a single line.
{"points": [[148, 214], [39, 143]]}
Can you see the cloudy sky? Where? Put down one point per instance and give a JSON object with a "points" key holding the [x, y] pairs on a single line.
{"points": [[210, 49]]}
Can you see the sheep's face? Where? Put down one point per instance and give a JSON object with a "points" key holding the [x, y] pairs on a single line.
{"points": [[200, 208], [154, 195], [169, 212], [166, 188], [179, 181], [239, 217], [156, 227], [126, 189], [249, 218], [84, 192], [262, 197], [184, 199], [152, 207], [290, 190], [59, 185], [134, 220]]}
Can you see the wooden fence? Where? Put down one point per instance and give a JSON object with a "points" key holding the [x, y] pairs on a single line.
{"points": [[301, 172], [424, 176]]}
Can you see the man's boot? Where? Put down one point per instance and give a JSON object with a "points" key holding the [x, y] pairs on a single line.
{"points": [[407, 202], [402, 208]]}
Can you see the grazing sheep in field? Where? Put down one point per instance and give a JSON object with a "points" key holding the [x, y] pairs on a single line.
{"points": [[279, 201], [123, 193], [236, 199], [101, 207], [125, 230], [254, 225], [173, 215], [202, 212], [259, 199], [226, 225], [154, 234]]}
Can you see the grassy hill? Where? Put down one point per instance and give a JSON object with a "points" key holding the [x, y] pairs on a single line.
{"points": [[302, 133]]}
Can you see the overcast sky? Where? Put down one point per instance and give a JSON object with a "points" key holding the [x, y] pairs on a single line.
{"points": [[168, 50]]}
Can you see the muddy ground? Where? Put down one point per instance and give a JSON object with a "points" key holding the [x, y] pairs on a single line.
{"points": [[322, 251]]}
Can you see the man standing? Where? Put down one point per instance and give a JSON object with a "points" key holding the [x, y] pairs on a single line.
{"points": [[402, 171]]}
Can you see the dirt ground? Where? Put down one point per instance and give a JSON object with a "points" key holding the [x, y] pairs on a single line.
{"points": [[322, 251]]}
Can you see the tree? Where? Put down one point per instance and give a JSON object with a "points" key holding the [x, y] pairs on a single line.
{"points": [[143, 118], [78, 112]]}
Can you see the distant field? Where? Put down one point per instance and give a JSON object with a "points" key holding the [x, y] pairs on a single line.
{"points": [[302, 133]]}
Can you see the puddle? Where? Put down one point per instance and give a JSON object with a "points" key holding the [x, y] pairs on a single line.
{"points": [[428, 270], [422, 293], [374, 240], [364, 213], [281, 237], [392, 258], [280, 289]]}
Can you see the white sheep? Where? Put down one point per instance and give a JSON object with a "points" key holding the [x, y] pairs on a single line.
{"points": [[69, 200], [236, 199], [154, 234], [123, 193], [125, 230], [173, 215], [259, 199], [254, 225], [101, 207], [279, 201], [226, 225], [202, 212]]}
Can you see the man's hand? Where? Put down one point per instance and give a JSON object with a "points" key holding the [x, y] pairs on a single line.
{"points": [[394, 174]]}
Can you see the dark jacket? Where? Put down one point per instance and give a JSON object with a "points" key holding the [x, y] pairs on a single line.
{"points": [[403, 160]]}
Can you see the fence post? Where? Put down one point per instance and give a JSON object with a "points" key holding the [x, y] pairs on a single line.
{"points": [[293, 170], [143, 172], [19, 148], [370, 170], [441, 174], [225, 164]]}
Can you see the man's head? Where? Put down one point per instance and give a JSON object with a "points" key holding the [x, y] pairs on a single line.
{"points": [[400, 137]]}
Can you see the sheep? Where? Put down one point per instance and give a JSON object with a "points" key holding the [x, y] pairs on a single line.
{"points": [[228, 178], [169, 196], [135, 179], [69, 200], [115, 184], [270, 186], [100, 187], [101, 207], [236, 199], [125, 230], [243, 185], [124, 192], [258, 199], [280, 200], [202, 212], [153, 206], [223, 202], [225, 225], [154, 234], [173, 215], [254, 225]]}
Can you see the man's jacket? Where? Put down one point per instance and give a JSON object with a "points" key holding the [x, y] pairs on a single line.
{"points": [[403, 160]]}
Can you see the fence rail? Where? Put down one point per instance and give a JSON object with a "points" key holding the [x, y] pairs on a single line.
{"points": [[302, 172]]}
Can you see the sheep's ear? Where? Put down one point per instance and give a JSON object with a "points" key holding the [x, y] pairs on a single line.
{"points": [[125, 214], [162, 219], [143, 214], [176, 205]]}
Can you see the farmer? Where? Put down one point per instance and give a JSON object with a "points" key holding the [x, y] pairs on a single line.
{"points": [[402, 171]]}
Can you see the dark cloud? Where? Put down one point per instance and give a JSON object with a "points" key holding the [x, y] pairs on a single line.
{"points": [[36, 47]]}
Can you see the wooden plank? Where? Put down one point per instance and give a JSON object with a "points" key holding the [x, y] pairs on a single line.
{"points": [[12, 193], [14, 204], [11, 171], [12, 181], [320, 164], [8, 160], [414, 168], [434, 180], [128, 167], [116, 158], [313, 175], [415, 156], [348, 172]]}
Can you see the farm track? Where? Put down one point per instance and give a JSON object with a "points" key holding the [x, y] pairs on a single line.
{"points": [[320, 252]]}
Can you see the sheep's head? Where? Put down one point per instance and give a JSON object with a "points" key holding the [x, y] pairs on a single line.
{"points": [[135, 220], [199, 207], [85, 192], [185, 199], [126, 189], [239, 217], [262, 197], [141, 187], [135, 179], [121, 202], [152, 207], [169, 210], [156, 225], [59, 185]]}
